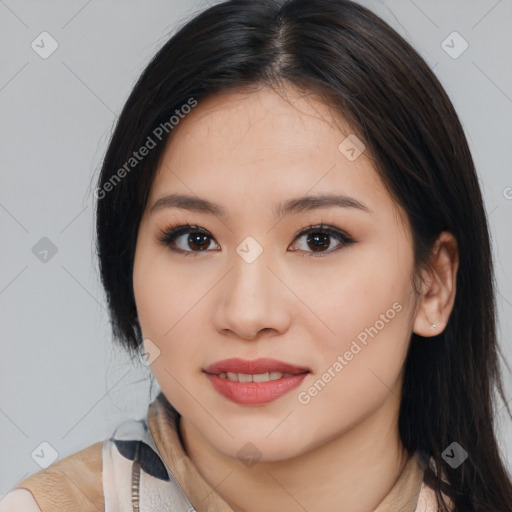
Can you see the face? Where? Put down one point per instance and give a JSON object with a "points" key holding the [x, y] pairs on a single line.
{"points": [[267, 331]]}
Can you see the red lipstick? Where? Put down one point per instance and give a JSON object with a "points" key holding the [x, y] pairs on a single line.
{"points": [[254, 382]]}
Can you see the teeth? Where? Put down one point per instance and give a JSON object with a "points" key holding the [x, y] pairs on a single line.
{"points": [[260, 377], [257, 377]]}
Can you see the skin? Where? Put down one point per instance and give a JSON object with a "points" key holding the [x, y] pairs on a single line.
{"points": [[249, 151]]}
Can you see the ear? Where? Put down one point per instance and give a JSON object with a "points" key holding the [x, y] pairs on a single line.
{"points": [[438, 287]]}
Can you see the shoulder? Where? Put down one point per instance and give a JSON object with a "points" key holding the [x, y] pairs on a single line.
{"points": [[98, 477], [19, 500], [72, 483]]}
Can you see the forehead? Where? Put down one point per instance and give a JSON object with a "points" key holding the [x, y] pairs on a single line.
{"points": [[258, 123], [264, 146]]}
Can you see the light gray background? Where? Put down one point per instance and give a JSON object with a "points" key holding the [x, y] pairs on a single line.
{"points": [[61, 380]]}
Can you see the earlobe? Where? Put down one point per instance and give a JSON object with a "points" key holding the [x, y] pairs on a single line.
{"points": [[435, 328], [439, 288]]}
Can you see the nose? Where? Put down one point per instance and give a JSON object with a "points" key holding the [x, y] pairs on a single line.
{"points": [[253, 302]]}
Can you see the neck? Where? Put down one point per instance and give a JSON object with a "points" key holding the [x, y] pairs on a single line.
{"points": [[352, 472]]}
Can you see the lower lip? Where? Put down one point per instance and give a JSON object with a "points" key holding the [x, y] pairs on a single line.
{"points": [[254, 393]]}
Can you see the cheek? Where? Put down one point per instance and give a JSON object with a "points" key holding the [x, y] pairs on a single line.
{"points": [[160, 295], [366, 296], [167, 311], [163, 318], [368, 309], [360, 373]]}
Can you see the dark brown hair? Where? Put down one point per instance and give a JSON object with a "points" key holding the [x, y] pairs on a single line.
{"points": [[393, 102]]}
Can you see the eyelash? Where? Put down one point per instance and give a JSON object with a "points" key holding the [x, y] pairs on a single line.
{"points": [[168, 235]]}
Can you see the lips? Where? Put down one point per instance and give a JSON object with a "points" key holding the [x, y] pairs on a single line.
{"points": [[254, 382], [254, 367]]}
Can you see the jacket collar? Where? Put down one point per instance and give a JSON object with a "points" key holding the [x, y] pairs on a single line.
{"points": [[163, 422]]}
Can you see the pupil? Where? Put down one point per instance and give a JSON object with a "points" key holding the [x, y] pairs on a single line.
{"points": [[317, 237]]}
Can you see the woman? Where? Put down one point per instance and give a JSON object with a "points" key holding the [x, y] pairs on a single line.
{"points": [[291, 233]]}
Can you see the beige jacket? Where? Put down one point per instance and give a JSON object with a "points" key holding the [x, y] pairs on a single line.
{"points": [[143, 468]]}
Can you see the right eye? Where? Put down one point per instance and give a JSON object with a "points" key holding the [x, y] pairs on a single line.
{"points": [[181, 238]]}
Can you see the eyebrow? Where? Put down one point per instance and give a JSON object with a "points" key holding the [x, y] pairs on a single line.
{"points": [[295, 205]]}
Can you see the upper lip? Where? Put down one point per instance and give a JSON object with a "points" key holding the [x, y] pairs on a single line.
{"points": [[255, 366]]}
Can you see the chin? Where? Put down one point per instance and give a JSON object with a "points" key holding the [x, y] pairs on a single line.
{"points": [[261, 447]]}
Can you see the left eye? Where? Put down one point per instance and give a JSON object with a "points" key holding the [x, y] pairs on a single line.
{"points": [[317, 238]]}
